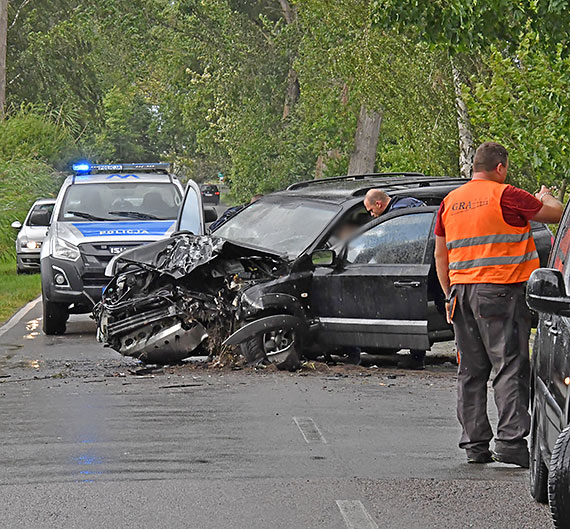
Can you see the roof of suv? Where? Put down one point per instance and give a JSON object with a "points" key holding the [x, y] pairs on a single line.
{"points": [[343, 188]]}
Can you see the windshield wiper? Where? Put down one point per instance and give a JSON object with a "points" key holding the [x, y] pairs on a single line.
{"points": [[135, 215], [87, 216]]}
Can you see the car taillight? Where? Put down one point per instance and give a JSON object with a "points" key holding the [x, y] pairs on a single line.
{"points": [[217, 192]]}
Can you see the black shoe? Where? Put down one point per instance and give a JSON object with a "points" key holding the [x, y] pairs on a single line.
{"points": [[516, 458], [480, 457], [409, 362]]}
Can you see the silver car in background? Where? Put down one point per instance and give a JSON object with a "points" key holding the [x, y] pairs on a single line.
{"points": [[32, 234]]}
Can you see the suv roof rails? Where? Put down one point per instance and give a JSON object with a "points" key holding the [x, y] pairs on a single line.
{"points": [[318, 181]]}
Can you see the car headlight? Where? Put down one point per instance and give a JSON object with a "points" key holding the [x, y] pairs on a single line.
{"points": [[65, 250], [32, 245]]}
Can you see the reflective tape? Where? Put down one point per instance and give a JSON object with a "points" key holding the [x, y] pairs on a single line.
{"points": [[493, 261], [488, 239]]}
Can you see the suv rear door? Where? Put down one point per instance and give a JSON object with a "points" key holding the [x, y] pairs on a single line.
{"points": [[377, 293]]}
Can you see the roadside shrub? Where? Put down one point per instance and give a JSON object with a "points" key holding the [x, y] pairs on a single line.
{"points": [[22, 182]]}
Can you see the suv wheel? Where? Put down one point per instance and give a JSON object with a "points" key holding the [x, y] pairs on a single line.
{"points": [[55, 317], [268, 346], [538, 470], [559, 481]]}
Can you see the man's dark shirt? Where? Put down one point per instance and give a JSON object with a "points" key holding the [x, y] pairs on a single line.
{"points": [[227, 215], [401, 203]]}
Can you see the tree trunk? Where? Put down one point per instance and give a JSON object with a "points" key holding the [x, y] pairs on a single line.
{"points": [[3, 45], [293, 92], [363, 157], [562, 189], [466, 149], [293, 88]]}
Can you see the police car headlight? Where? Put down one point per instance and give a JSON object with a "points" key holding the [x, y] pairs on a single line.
{"points": [[65, 250]]}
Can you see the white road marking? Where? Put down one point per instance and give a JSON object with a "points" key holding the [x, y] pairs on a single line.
{"points": [[14, 320], [355, 515], [309, 429]]}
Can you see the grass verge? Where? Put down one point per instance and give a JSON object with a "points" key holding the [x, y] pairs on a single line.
{"points": [[16, 290]]}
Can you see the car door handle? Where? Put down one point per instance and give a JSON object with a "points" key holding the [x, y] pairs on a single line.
{"points": [[405, 284]]}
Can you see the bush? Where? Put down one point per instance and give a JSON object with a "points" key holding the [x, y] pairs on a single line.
{"points": [[22, 182]]}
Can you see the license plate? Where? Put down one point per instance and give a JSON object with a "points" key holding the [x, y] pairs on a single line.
{"points": [[117, 249]]}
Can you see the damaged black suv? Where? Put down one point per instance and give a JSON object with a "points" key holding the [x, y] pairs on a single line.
{"points": [[299, 272]]}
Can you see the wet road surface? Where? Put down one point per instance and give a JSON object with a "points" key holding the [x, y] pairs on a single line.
{"points": [[85, 443]]}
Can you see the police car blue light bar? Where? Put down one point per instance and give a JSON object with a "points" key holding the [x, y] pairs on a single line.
{"points": [[81, 167]]}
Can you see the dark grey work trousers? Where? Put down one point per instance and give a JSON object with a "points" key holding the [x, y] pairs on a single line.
{"points": [[492, 328]]}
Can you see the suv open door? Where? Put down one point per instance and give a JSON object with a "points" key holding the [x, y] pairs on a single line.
{"points": [[192, 216], [376, 293]]}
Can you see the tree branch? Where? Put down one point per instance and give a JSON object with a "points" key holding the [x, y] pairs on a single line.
{"points": [[22, 5]]}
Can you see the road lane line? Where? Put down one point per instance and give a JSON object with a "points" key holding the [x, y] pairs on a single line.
{"points": [[309, 429], [15, 319], [355, 515]]}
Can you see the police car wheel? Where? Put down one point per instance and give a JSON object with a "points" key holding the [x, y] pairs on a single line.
{"points": [[55, 317], [559, 481]]}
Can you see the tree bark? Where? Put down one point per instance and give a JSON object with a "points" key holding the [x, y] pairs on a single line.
{"points": [[466, 148], [3, 46], [293, 92], [293, 88], [562, 190], [363, 157]]}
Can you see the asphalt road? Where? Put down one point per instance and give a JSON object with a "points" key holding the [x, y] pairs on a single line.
{"points": [[85, 443]]}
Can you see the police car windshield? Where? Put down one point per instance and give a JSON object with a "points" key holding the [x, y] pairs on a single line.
{"points": [[117, 202], [285, 227]]}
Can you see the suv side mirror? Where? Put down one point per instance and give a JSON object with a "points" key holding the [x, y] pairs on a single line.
{"points": [[545, 292], [16, 224], [323, 257], [210, 215]]}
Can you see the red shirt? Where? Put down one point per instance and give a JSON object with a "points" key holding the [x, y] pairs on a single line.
{"points": [[518, 208]]}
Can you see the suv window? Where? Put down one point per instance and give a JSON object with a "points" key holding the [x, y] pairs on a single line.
{"points": [[285, 227], [39, 207], [101, 201], [399, 240]]}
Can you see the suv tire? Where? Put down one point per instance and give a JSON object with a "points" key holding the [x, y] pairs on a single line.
{"points": [[255, 350], [54, 318], [559, 481], [538, 469]]}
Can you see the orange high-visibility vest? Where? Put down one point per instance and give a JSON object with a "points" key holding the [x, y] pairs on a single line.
{"points": [[481, 246]]}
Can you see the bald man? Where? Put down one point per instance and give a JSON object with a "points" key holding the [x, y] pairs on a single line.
{"points": [[377, 202]]}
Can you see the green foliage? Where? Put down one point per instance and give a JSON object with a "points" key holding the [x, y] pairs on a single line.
{"points": [[15, 290], [522, 101], [32, 133], [468, 25], [21, 182]]}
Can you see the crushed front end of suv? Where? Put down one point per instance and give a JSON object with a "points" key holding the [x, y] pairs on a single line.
{"points": [[168, 297]]}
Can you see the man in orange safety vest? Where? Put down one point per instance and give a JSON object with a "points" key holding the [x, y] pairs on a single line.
{"points": [[484, 254]]}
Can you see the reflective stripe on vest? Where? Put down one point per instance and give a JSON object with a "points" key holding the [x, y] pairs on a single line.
{"points": [[481, 246]]}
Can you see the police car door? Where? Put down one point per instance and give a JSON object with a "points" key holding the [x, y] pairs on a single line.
{"points": [[377, 294], [191, 214]]}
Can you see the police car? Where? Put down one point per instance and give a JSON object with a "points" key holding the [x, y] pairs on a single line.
{"points": [[99, 212]]}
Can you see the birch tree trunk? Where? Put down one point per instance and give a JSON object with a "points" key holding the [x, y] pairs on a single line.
{"points": [[363, 157], [466, 148], [3, 45]]}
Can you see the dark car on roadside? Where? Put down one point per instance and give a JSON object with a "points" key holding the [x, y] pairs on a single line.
{"points": [[299, 272], [548, 294], [210, 193]]}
